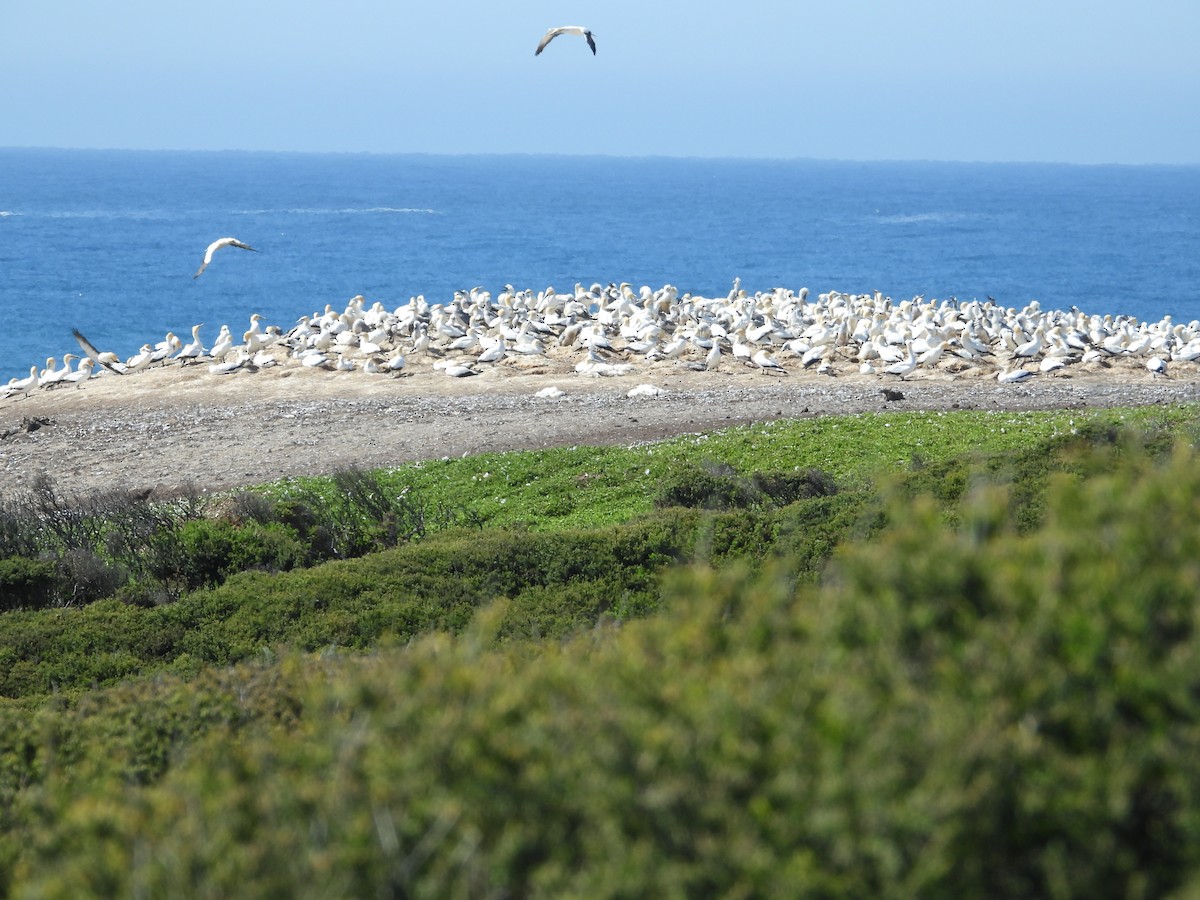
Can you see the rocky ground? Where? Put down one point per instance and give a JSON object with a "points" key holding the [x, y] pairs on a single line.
{"points": [[158, 430]]}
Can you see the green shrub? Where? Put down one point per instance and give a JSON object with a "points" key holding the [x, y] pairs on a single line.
{"points": [[697, 489], [27, 583], [204, 552], [789, 487], [977, 709], [720, 487]]}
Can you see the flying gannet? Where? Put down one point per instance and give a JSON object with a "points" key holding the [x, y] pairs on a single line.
{"points": [[217, 245], [566, 29], [93, 354]]}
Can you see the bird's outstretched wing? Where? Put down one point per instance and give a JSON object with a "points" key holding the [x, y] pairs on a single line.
{"points": [[550, 35], [92, 353], [591, 43]]}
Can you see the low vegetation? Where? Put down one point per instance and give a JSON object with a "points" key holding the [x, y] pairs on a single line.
{"points": [[959, 659]]}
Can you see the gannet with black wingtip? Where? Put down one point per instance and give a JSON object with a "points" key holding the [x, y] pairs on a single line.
{"points": [[1012, 376], [904, 367], [217, 245], [93, 354], [22, 386], [80, 375], [223, 344], [566, 29], [54, 376], [140, 360], [164, 348], [765, 361], [193, 349]]}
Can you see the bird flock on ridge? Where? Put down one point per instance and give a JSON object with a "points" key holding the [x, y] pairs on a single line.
{"points": [[615, 330]]}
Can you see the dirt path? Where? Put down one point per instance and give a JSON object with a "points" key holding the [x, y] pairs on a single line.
{"points": [[160, 429]]}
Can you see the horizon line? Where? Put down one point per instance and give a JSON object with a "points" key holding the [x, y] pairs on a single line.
{"points": [[614, 156]]}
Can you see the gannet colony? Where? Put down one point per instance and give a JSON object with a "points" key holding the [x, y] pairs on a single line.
{"points": [[617, 330]]}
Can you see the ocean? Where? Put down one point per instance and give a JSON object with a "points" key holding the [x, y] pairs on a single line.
{"points": [[108, 241]]}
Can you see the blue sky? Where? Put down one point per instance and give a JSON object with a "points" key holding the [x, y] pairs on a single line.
{"points": [[1053, 80]]}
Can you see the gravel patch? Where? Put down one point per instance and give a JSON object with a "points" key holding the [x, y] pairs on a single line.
{"points": [[160, 430]]}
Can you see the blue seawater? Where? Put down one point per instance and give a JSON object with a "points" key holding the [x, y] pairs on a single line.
{"points": [[107, 241]]}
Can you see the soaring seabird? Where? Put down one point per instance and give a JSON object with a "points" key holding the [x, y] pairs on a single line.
{"points": [[217, 245], [566, 29]]}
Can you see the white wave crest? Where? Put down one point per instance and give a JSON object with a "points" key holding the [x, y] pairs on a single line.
{"points": [[917, 218], [330, 211]]}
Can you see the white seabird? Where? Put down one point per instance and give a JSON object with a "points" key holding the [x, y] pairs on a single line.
{"points": [[566, 29], [1012, 376], [93, 354], [81, 374], [194, 349], [217, 245], [22, 386]]}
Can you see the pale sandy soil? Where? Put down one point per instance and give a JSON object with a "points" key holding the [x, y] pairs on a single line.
{"points": [[161, 429]]}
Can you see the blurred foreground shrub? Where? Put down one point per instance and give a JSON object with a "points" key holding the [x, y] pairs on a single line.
{"points": [[980, 710]]}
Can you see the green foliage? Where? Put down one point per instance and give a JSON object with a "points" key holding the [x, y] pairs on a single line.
{"points": [[26, 583], [113, 543], [396, 594], [720, 487], [698, 489], [990, 707], [992, 689], [204, 552]]}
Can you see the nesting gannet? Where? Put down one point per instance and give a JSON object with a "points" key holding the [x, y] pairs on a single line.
{"points": [[140, 360], [164, 348], [223, 345], [566, 29], [81, 374], [766, 362], [217, 245], [315, 359], [23, 385], [52, 375], [645, 390], [193, 349], [263, 360], [713, 359], [93, 354], [494, 353], [225, 367], [905, 367], [1007, 376]]}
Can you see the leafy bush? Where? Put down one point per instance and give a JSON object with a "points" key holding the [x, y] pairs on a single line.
{"points": [[204, 552], [986, 708], [27, 583], [720, 487]]}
